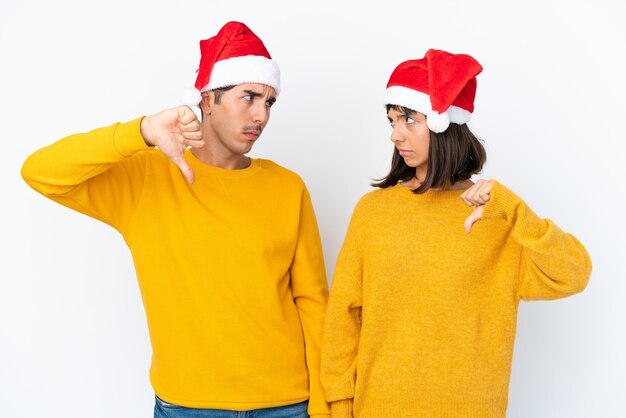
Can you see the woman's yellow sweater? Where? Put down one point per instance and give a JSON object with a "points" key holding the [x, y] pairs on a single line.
{"points": [[421, 318]]}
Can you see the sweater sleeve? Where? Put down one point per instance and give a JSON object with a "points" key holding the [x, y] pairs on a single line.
{"points": [[91, 172], [342, 327], [553, 264], [342, 409], [310, 293]]}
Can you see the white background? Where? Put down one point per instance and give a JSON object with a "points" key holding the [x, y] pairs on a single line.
{"points": [[550, 107]]}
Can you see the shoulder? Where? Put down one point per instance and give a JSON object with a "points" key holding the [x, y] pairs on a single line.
{"points": [[276, 172], [372, 204], [373, 199]]}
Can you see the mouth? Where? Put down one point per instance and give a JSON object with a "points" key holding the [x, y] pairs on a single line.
{"points": [[404, 152], [252, 135]]}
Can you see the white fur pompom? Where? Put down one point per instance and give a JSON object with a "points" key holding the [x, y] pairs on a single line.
{"points": [[192, 97], [437, 122]]}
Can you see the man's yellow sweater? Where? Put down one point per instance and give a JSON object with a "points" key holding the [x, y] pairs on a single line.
{"points": [[421, 317], [230, 268]]}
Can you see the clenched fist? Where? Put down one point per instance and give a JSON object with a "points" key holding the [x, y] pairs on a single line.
{"points": [[172, 131]]}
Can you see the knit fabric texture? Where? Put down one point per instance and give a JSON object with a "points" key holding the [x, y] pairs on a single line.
{"points": [[422, 315], [230, 268]]}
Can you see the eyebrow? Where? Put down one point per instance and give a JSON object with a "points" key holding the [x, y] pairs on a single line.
{"points": [[253, 93], [401, 115]]}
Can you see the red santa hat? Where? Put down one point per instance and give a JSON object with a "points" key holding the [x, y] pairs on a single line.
{"points": [[441, 85], [234, 56]]}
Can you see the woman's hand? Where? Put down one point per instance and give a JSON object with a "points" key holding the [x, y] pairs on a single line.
{"points": [[477, 196]]}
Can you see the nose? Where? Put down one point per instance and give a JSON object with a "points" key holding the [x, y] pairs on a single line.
{"points": [[395, 134], [260, 112]]}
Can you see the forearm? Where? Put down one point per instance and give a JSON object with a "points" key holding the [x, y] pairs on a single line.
{"points": [[553, 263], [310, 293], [311, 314], [342, 409], [342, 329], [58, 168], [147, 131]]}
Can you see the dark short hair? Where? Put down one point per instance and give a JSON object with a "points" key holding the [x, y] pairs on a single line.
{"points": [[453, 155], [218, 96], [218, 93]]}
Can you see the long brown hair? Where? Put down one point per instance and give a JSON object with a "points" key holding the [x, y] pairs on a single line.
{"points": [[453, 155]]}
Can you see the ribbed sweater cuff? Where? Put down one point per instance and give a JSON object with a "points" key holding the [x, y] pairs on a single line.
{"points": [[341, 409], [127, 138], [339, 389], [435, 407]]}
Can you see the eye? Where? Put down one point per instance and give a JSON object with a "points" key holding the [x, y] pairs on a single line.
{"points": [[409, 120], [247, 97], [269, 103]]}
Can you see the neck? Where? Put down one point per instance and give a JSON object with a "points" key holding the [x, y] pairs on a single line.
{"points": [[420, 173], [215, 153], [221, 160], [415, 182]]}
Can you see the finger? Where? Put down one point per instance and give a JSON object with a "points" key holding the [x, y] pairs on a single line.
{"points": [[474, 217], [481, 199], [484, 192], [195, 136], [479, 193], [465, 198], [469, 221], [474, 195], [185, 115], [487, 189], [191, 143], [468, 195], [192, 126], [184, 167]]}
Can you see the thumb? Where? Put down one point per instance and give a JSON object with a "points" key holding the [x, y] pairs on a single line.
{"points": [[475, 216], [184, 167]]}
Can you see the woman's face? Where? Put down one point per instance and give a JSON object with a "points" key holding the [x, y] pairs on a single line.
{"points": [[411, 136]]}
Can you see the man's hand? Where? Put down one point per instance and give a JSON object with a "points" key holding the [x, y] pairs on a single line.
{"points": [[477, 196], [172, 131]]}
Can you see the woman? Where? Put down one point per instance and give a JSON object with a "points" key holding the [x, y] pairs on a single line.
{"points": [[423, 307]]}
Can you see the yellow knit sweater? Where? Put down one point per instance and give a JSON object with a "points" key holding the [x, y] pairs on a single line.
{"points": [[230, 268], [421, 318]]}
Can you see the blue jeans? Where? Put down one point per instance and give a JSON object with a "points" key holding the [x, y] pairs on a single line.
{"points": [[164, 409]]}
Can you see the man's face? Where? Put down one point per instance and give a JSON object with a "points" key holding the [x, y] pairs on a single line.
{"points": [[239, 118]]}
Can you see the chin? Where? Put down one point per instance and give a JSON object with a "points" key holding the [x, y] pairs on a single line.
{"points": [[410, 163], [242, 147]]}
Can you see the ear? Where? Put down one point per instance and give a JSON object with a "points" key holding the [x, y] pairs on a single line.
{"points": [[207, 103]]}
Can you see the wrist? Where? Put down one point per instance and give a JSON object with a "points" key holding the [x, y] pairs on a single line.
{"points": [[502, 203], [341, 409], [145, 128]]}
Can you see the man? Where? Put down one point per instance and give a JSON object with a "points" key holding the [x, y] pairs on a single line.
{"points": [[226, 247]]}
